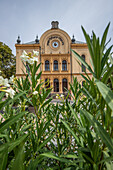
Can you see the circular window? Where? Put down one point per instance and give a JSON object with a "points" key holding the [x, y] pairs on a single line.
{"points": [[55, 44]]}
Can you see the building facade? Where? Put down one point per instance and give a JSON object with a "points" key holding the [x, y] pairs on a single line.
{"points": [[58, 63]]}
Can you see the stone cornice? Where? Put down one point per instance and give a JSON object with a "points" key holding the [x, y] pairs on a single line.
{"points": [[50, 55], [52, 74], [79, 46], [21, 46]]}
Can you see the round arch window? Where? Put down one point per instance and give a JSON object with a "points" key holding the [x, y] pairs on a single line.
{"points": [[47, 66], [64, 65], [56, 85], [55, 65], [64, 84]]}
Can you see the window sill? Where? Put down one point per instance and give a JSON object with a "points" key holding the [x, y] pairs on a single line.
{"points": [[55, 71]]}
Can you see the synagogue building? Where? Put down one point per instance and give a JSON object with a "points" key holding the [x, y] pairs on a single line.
{"points": [[58, 63]]}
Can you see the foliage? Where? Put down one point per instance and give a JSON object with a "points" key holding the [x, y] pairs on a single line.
{"points": [[7, 61], [69, 135]]}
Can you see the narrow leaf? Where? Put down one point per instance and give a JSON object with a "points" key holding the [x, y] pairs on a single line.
{"points": [[10, 121], [106, 93], [83, 62], [104, 38], [88, 40], [72, 132], [105, 58], [45, 142], [100, 130]]}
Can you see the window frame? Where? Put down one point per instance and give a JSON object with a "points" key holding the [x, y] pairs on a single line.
{"points": [[56, 85], [47, 65], [55, 65], [47, 80], [64, 65], [83, 66], [63, 84]]}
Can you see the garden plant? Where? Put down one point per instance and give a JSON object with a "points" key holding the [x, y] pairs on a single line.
{"points": [[69, 135]]}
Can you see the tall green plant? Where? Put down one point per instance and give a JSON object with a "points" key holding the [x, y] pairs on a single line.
{"points": [[99, 55], [93, 128], [24, 135]]}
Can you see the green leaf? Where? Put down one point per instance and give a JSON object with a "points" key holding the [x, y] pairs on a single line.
{"points": [[85, 78], [97, 60], [106, 93], [45, 142], [4, 136], [88, 44], [111, 59], [83, 62], [8, 101], [72, 132], [10, 121], [107, 74], [104, 38], [74, 156], [26, 127], [18, 84], [88, 158], [105, 57], [43, 130], [27, 70], [100, 130], [1, 95], [75, 115], [34, 163], [36, 68], [52, 156], [17, 142], [8, 147], [18, 163], [105, 137], [38, 76], [3, 157], [46, 102]]}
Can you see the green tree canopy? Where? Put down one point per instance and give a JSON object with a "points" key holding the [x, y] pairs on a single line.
{"points": [[7, 61]]}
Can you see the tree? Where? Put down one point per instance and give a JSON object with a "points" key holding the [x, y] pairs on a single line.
{"points": [[7, 61]]}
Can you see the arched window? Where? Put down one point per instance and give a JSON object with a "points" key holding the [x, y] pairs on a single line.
{"points": [[64, 65], [83, 82], [27, 67], [47, 67], [83, 66], [64, 84], [47, 83], [56, 85], [55, 65]]}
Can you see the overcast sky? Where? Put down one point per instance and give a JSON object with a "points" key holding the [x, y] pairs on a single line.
{"points": [[28, 18]]}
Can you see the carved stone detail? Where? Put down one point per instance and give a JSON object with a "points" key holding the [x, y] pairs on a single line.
{"points": [[55, 37]]}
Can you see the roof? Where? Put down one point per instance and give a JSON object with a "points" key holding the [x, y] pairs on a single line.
{"points": [[79, 42], [76, 42], [31, 42]]}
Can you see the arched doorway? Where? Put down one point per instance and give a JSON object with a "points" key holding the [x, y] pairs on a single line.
{"points": [[56, 85], [83, 66], [64, 84], [47, 83]]}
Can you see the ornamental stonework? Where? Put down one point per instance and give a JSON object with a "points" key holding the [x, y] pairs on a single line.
{"points": [[55, 44]]}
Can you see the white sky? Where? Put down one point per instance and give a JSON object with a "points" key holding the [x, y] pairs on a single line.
{"points": [[28, 18]]}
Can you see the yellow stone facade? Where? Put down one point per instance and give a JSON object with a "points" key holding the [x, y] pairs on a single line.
{"points": [[54, 48]]}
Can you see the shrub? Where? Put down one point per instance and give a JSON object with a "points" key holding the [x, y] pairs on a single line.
{"points": [[66, 135]]}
